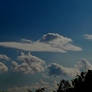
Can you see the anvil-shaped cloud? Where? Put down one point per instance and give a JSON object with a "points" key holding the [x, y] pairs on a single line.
{"points": [[50, 42]]}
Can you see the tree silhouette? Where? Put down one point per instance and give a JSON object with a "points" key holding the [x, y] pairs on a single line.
{"points": [[40, 90], [29, 90], [81, 83], [63, 86]]}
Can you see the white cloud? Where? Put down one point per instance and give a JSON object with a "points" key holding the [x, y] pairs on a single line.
{"points": [[84, 65], [4, 57], [3, 67], [88, 36], [59, 70], [54, 36], [29, 64], [26, 41], [50, 42]]}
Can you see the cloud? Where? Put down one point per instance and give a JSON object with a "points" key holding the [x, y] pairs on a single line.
{"points": [[84, 65], [29, 64], [88, 36], [59, 70], [4, 57], [53, 36], [39, 84], [18, 89], [26, 41], [49, 85], [3, 67], [50, 42]]}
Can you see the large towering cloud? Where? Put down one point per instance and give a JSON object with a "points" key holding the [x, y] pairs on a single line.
{"points": [[50, 42]]}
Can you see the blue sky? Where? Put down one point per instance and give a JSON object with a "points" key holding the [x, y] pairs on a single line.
{"points": [[31, 19], [20, 18]]}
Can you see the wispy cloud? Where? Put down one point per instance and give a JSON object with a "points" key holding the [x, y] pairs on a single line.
{"points": [[50, 42], [88, 36], [26, 41]]}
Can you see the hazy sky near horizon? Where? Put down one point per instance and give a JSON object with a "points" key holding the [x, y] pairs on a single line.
{"points": [[56, 31]]}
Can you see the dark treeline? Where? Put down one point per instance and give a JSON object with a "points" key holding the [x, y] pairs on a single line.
{"points": [[81, 83]]}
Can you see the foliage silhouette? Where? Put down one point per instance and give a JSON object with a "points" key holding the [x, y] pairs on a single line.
{"points": [[81, 83]]}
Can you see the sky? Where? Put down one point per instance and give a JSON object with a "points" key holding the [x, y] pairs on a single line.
{"points": [[43, 38]]}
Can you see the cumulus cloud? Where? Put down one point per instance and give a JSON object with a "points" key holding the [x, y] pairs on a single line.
{"points": [[4, 57], [84, 65], [59, 70], [3, 67], [88, 36], [29, 64], [50, 42]]}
